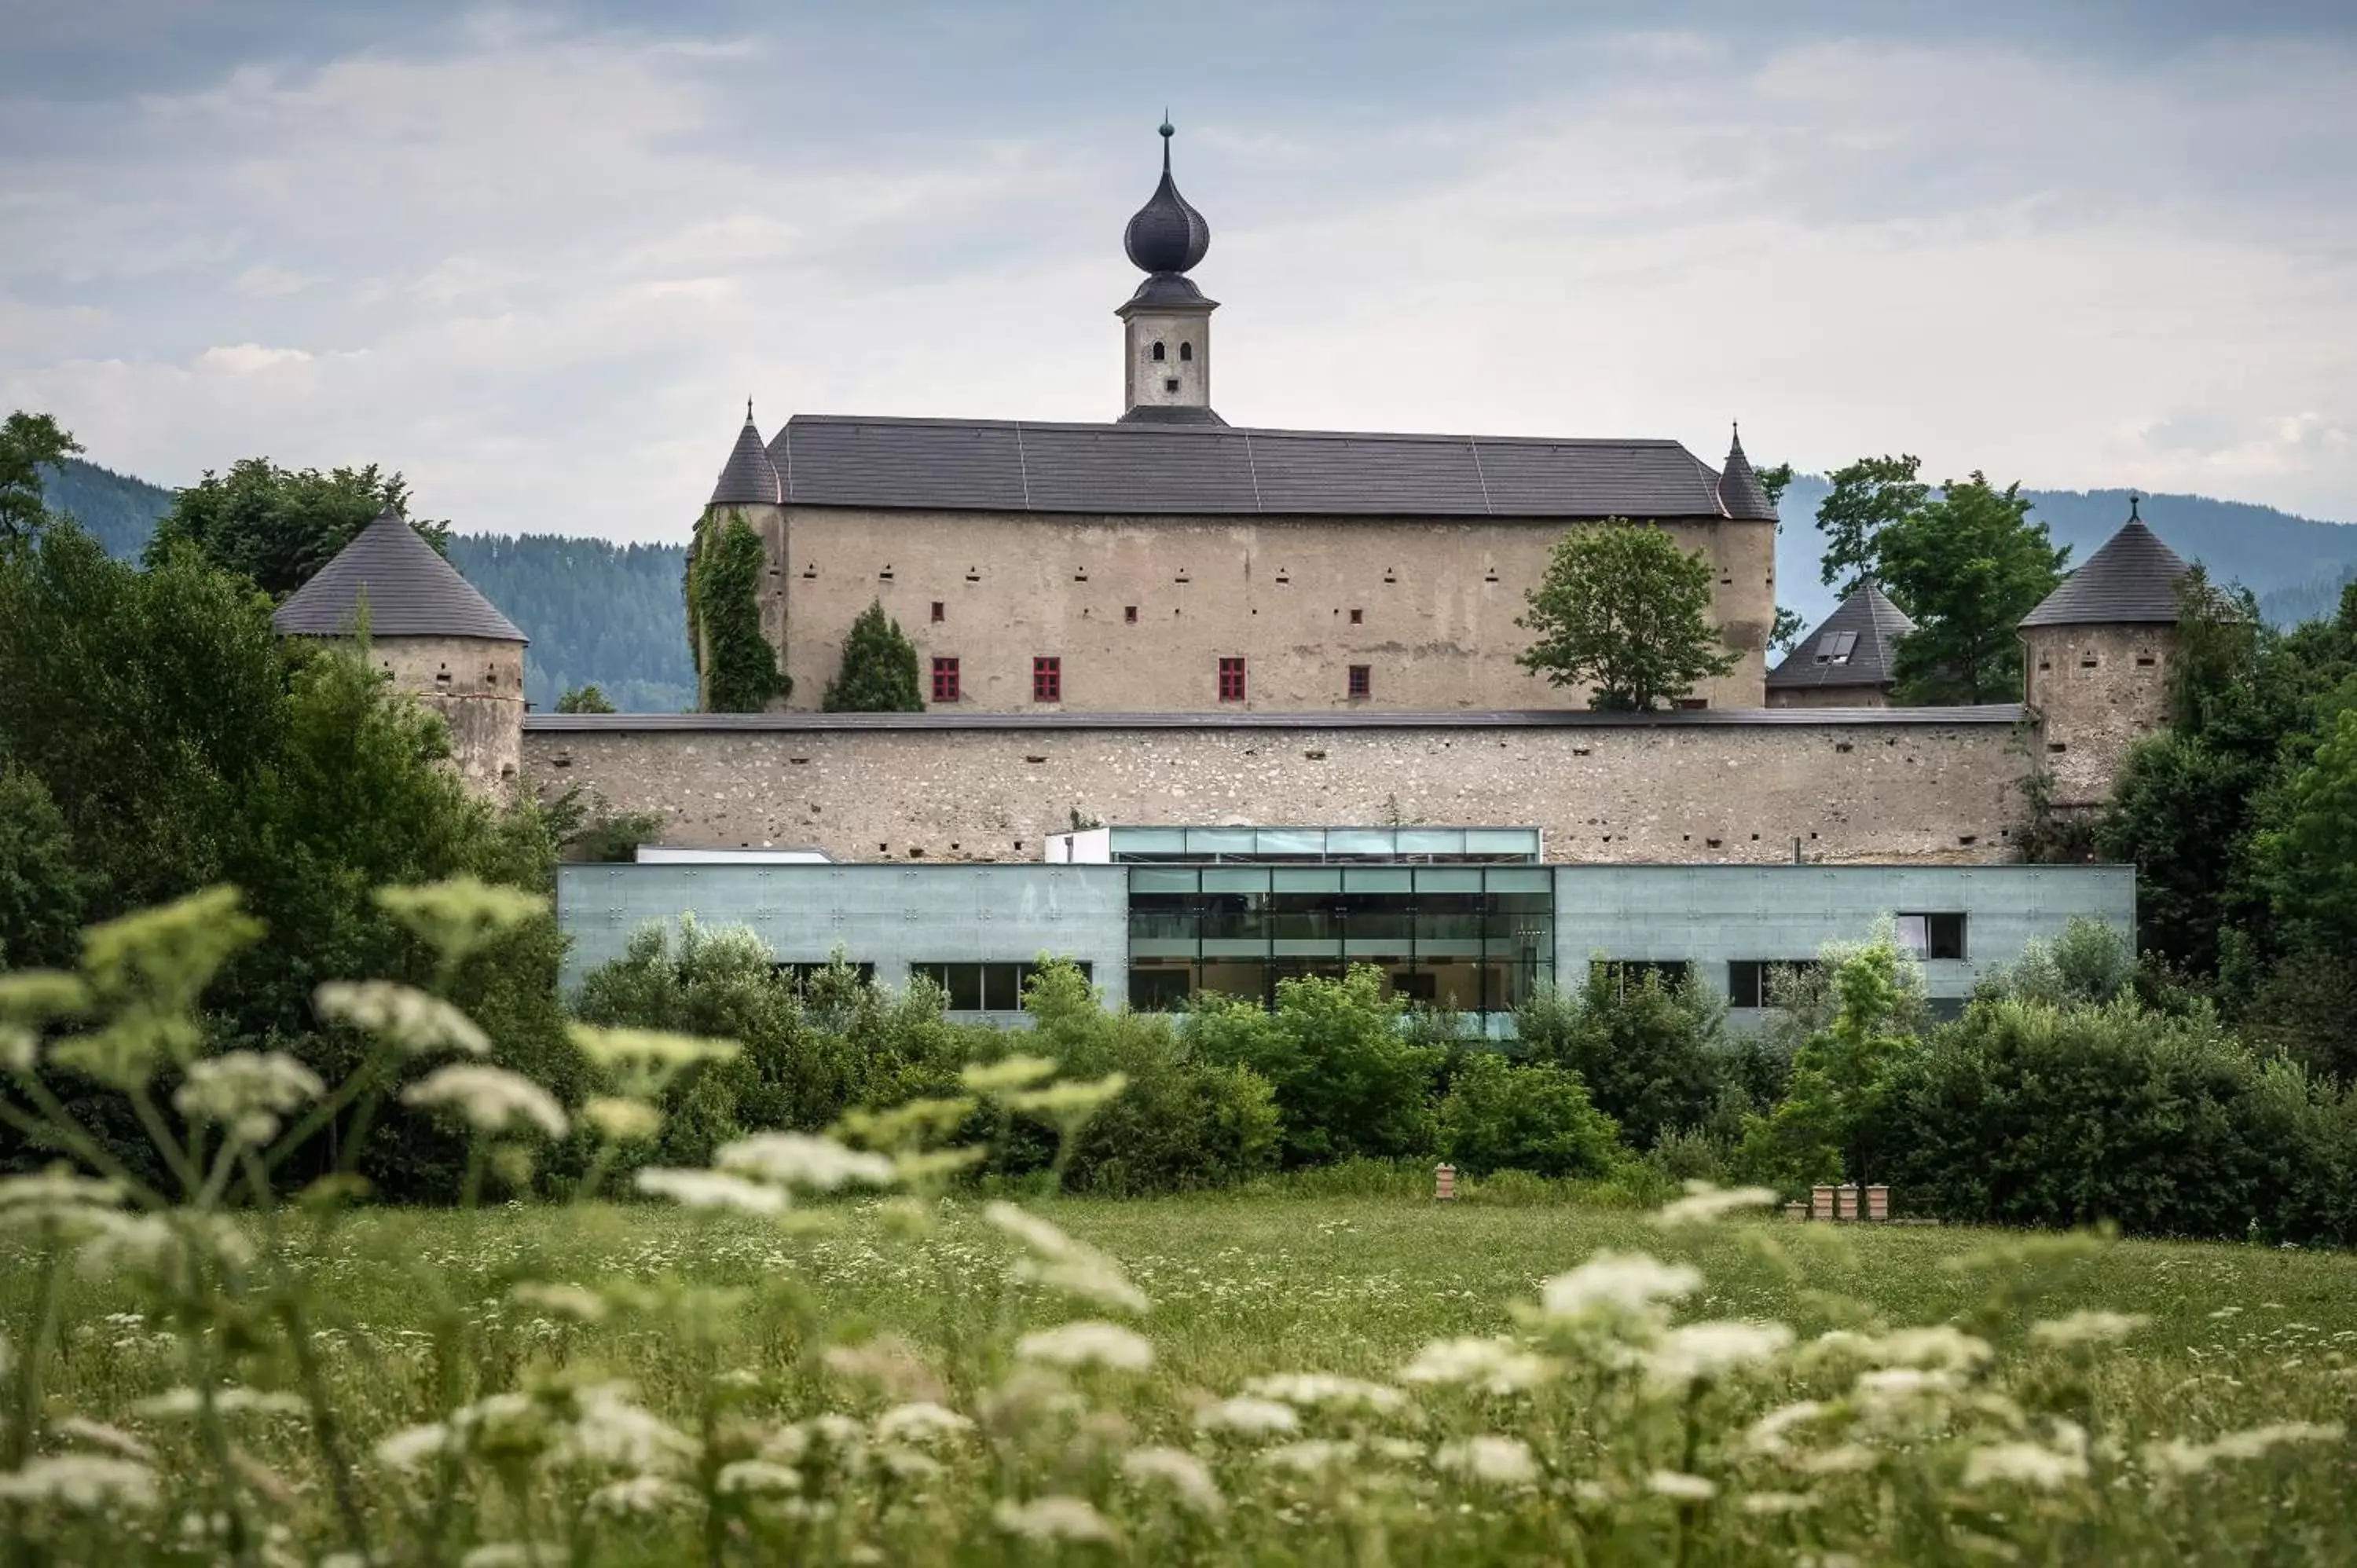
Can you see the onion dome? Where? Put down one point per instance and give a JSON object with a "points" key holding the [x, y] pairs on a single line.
{"points": [[1166, 236], [748, 478], [2131, 580], [1740, 490]]}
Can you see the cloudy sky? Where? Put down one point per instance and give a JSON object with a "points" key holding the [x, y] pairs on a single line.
{"points": [[537, 257]]}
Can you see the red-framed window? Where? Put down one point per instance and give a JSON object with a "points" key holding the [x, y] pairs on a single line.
{"points": [[946, 680], [1047, 680], [1232, 680], [1362, 682]]}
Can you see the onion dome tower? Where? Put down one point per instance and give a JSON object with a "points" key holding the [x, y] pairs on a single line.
{"points": [[1166, 324]]}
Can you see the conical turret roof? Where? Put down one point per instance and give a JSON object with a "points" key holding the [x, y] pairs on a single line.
{"points": [[410, 592], [2132, 580], [1857, 646], [1740, 490], [748, 479]]}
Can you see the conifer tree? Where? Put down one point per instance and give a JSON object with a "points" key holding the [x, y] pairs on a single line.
{"points": [[878, 673]]}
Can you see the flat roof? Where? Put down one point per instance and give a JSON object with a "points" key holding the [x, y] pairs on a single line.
{"points": [[1993, 713]]}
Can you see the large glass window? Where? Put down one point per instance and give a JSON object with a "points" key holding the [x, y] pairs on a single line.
{"points": [[1933, 936], [983, 987]]}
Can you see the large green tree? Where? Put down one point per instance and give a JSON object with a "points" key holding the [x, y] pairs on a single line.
{"points": [[277, 525], [1967, 567], [878, 673], [1625, 612], [1866, 498], [29, 443]]}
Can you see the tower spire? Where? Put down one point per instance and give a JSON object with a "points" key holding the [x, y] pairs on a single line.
{"points": [[1166, 325]]}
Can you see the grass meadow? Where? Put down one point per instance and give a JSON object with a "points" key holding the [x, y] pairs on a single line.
{"points": [[858, 1309]]}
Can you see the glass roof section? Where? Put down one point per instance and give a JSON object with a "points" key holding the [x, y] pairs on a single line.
{"points": [[1414, 847]]}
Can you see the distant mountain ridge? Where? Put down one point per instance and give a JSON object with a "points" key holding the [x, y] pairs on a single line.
{"points": [[611, 615]]}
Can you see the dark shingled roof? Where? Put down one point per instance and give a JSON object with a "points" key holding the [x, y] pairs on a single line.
{"points": [[748, 478], [995, 465], [1857, 646], [2131, 580], [1335, 719], [1740, 494], [410, 591]]}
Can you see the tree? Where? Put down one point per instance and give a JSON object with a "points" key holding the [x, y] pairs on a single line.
{"points": [[1773, 483], [1624, 611], [583, 700], [40, 885], [1786, 634], [277, 525], [879, 673], [1967, 567], [737, 666], [1866, 498], [1824, 1129], [29, 443]]}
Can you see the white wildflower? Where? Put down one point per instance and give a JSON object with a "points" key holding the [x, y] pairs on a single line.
{"points": [[1628, 1284], [2087, 1327], [800, 1160], [1007, 1072], [1697, 1351], [1678, 1484], [1707, 1204], [573, 1302], [1939, 1345], [1842, 1459], [1778, 1503], [1494, 1460], [1185, 1475], [489, 1097], [710, 1189], [609, 1429], [638, 1494], [1317, 1389], [186, 1401], [1249, 1417], [647, 1050], [1491, 1366], [498, 1554], [2255, 1442], [2027, 1464], [401, 1015], [1069, 1102], [169, 1247], [412, 1445], [921, 1421], [1768, 1434], [1053, 1519], [620, 1119], [1891, 1385], [57, 1196], [81, 1429], [1313, 1456], [247, 1091], [1061, 1263], [743, 1475], [1088, 1345], [907, 1463], [84, 1481]]}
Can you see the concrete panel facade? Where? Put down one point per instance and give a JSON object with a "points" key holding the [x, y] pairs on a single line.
{"points": [[1427, 606], [2101, 689], [1851, 787], [885, 915], [1712, 915]]}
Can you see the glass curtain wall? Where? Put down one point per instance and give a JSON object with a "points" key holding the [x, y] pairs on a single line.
{"points": [[1479, 938]]}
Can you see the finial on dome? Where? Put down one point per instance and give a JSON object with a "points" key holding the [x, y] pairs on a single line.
{"points": [[748, 410], [2134, 500], [1166, 236]]}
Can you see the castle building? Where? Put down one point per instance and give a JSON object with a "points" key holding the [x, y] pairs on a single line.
{"points": [[434, 633], [1167, 562], [2096, 660], [1850, 661]]}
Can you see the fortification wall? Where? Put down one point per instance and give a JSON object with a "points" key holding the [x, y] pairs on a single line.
{"points": [[1850, 785], [478, 688]]}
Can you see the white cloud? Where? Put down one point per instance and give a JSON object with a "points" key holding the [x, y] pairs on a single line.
{"points": [[249, 359], [266, 281]]}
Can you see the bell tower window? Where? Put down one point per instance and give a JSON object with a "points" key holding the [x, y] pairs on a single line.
{"points": [[1186, 352], [1158, 355]]}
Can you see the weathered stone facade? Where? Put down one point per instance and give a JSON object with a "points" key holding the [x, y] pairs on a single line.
{"points": [[1930, 786], [1829, 697], [2098, 690], [476, 685], [1139, 610]]}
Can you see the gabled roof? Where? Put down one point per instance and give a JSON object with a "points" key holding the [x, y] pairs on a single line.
{"points": [[747, 479], [995, 465], [410, 592], [2131, 580], [1857, 646]]}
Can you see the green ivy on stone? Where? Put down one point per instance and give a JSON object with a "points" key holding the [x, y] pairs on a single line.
{"points": [[737, 669]]}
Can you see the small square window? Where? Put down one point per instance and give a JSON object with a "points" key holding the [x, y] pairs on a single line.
{"points": [[1358, 617], [946, 680], [1933, 936], [1232, 680], [941, 612], [1692, 704], [1361, 681], [1048, 680], [1170, 383], [1129, 614]]}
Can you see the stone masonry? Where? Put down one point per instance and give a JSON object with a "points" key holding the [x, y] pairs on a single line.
{"points": [[2099, 689], [476, 685], [1938, 786]]}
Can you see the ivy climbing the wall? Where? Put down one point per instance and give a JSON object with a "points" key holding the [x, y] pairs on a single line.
{"points": [[737, 669]]}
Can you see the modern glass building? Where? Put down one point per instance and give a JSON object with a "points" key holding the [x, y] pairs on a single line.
{"points": [[1467, 918]]}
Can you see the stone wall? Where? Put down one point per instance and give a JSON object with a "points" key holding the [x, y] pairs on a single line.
{"points": [[1829, 697], [1901, 785], [2100, 689], [1139, 610], [476, 686]]}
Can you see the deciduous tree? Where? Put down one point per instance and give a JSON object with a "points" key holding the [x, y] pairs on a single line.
{"points": [[1625, 612], [1866, 498], [29, 443], [1967, 567], [278, 525]]}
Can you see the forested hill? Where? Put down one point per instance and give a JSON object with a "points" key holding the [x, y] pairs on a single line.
{"points": [[610, 614], [597, 614]]}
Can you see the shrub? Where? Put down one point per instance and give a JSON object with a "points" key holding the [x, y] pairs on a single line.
{"points": [[2090, 962], [1347, 1079], [1825, 1127], [1649, 1052], [1536, 1117], [878, 673]]}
